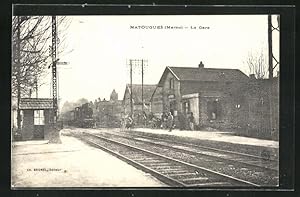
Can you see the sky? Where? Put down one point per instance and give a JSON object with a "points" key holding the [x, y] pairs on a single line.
{"points": [[101, 47]]}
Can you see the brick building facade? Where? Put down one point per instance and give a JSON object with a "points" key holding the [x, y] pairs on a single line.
{"points": [[201, 91], [219, 98]]}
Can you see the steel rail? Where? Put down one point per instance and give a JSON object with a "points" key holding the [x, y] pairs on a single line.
{"points": [[205, 147], [231, 178], [197, 153], [158, 175]]}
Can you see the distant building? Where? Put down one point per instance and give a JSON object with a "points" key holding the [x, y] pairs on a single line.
{"points": [[108, 113], [200, 90], [139, 104], [114, 95], [37, 114]]}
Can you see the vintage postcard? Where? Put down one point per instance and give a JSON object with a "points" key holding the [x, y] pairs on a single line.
{"points": [[160, 101]]}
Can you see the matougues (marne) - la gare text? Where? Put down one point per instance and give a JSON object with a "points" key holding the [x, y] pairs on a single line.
{"points": [[155, 27], [163, 27]]}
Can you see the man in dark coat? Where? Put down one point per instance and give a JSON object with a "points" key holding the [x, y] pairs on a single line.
{"points": [[191, 121], [170, 121]]}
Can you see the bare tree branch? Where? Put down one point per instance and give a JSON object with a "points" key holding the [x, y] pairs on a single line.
{"points": [[35, 39], [257, 64]]}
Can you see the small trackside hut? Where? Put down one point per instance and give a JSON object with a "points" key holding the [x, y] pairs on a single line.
{"points": [[37, 114]]}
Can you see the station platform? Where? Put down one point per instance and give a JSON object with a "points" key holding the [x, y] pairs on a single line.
{"points": [[72, 164], [214, 135]]}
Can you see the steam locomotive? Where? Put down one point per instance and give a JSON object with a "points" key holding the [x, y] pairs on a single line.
{"points": [[83, 116]]}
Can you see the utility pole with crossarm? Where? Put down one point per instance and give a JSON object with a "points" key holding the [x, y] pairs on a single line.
{"points": [[54, 69]]}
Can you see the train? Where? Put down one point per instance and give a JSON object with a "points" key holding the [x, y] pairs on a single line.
{"points": [[82, 116]]}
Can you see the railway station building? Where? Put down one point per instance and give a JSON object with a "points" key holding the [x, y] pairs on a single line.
{"points": [[219, 98], [202, 91]]}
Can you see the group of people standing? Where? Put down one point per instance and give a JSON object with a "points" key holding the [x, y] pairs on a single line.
{"points": [[127, 122], [167, 121]]}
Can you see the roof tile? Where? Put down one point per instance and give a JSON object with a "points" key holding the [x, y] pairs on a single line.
{"points": [[36, 103], [208, 74], [137, 92]]}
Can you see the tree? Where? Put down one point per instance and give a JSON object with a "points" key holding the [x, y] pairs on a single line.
{"points": [[31, 38], [29, 59], [257, 64]]}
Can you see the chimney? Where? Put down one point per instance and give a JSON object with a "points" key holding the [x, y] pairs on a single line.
{"points": [[252, 76], [201, 65]]}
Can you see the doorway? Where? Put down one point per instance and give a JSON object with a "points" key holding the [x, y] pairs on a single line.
{"points": [[39, 124]]}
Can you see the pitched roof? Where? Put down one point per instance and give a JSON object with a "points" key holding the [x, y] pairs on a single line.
{"points": [[204, 74], [137, 92], [157, 92], [36, 103]]}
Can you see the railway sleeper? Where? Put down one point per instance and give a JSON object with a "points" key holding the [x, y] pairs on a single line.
{"points": [[171, 171], [155, 161], [209, 184], [172, 168], [195, 179], [158, 164], [184, 174]]}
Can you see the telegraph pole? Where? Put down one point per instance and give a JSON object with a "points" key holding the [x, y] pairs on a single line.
{"points": [[137, 63], [271, 28], [142, 85], [270, 47], [54, 69], [18, 54], [131, 104], [271, 67]]}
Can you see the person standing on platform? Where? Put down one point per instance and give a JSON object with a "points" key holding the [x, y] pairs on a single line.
{"points": [[191, 121], [170, 121], [129, 122], [164, 118]]}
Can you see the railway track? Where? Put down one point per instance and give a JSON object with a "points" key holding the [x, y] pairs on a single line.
{"points": [[220, 162], [242, 148], [169, 170], [245, 159]]}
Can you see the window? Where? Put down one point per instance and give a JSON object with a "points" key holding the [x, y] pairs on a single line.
{"points": [[213, 109], [186, 107], [171, 83], [172, 106], [238, 106], [39, 118]]}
